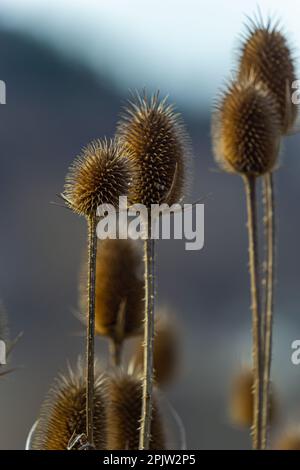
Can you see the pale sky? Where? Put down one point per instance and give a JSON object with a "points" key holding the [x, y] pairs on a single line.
{"points": [[183, 47]]}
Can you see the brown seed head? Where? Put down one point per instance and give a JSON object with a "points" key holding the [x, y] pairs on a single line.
{"points": [[289, 440], [124, 414], [119, 289], [265, 51], [246, 129], [63, 413], [99, 176], [165, 352], [155, 136], [242, 400]]}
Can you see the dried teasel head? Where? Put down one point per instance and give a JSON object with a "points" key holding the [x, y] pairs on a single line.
{"points": [[100, 175], [265, 51], [124, 414], [165, 351], [63, 414], [155, 135], [242, 400], [289, 439], [119, 289], [246, 129]]}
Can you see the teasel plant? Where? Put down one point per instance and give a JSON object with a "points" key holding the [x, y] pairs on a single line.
{"points": [[246, 137], [119, 293], [166, 356], [61, 424], [241, 399], [155, 135], [100, 175], [265, 53], [124, 401]]}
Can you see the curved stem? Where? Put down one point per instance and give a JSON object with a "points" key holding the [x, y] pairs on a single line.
{"points": [[269, 300], [250, 188], [145, 432], [92, 253]]}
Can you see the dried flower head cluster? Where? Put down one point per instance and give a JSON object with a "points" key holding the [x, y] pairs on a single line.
{"points": [[265, 52], [99, 176], [124, 414], [154, 135], [165, 353], [63, 413], [119, 289], [241, 400], [246, 129]]}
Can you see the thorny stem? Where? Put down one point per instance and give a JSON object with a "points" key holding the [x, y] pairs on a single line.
{"points": [[269, 221], [92, 253], [250, 188], [145, 431]]}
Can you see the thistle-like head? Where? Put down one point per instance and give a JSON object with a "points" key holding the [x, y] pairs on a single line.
{"points": [[246, 129]]}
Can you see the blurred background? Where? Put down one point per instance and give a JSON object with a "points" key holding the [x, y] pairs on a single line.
{"points": [[68, 67]]}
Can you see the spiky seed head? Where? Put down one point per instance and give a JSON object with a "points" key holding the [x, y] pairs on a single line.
{"points": [[100, 175], [63, 413], [242, 399], [289, 439], [246, 129], [165, 351], [265, 51], [124, 414], [155, 135], [119, 289]]}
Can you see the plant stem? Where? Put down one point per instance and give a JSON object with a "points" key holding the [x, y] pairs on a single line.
{"points": [[145, 432], [269, 300], [250, 188], [92, 253], [115, 350]]}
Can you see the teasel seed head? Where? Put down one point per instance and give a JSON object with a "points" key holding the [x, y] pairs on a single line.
{"points": [[165, 351], [289, 439], [242, 400], [155, 136], [63, 412], [246, 129], [100, 175], [119, 289], [124, 414], [266, 52]]}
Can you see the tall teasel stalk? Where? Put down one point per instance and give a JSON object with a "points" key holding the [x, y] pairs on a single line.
{"points": [[266, 54], [119, 293], [246, 133], [155, 136], [99, 176]]}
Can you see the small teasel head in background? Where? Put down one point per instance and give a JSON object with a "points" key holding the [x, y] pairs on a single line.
{"points": [[242, 399], [155, 136], [166, 354], [265, 51], [289, 439], [246, 129], [119, 291], [100, 175], [63, 413], [124, 413]]}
